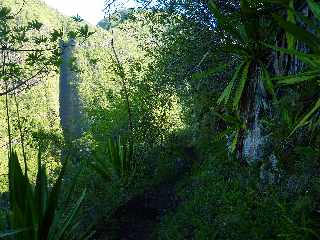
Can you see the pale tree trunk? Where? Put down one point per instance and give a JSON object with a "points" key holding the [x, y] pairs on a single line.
{"points": [[69, 99]]}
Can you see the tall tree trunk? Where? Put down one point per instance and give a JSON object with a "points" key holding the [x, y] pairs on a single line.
{"points": [[253, 103], [70, 103]]}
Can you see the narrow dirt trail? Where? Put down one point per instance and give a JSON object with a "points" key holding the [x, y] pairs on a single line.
{"points": [[139, 217]]}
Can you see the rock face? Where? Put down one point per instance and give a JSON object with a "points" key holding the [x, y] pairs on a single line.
{"points": [[70, 103], [255, 139]]}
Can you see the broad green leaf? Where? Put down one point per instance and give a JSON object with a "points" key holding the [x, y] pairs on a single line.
{"points": [[286, 117], [305, 119], [303, 74], [299, 33], [298, 78], [44, 227], [235, 141], [310, 59], [17, 181], [315, 8], [267, 81], [242, 83], [291, 18], [225, 96], [41, 191], [21, 200], [291, 80]]}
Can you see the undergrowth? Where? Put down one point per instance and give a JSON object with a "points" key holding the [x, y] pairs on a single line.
{"points": [[224, 200]]}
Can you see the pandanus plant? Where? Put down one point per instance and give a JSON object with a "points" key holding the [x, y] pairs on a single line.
{"points": [[244, 33], [309, 35], [34, 213], [117, 162]]}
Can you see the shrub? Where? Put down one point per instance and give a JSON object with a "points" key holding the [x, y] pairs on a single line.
{"points": [[34, 210], [225, 201], [118, 162]]}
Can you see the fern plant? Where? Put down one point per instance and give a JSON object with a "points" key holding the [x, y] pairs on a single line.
{"points": [[34, 212]]}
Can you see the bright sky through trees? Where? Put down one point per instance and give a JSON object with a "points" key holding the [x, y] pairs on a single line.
{"points": [[90, 10]]}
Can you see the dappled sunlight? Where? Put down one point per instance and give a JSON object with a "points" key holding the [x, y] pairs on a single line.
{"points": [[161, 119]]}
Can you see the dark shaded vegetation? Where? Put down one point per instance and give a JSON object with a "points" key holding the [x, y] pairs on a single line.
{"points": [[175, 120]]}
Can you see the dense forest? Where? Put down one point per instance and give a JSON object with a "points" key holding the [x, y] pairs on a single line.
{"points": [[177, 119]]}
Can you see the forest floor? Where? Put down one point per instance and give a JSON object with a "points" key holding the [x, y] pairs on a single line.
{"points": [[139, 218]]}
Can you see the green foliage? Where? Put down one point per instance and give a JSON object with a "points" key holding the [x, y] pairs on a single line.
{"points": [[246, 41], [34, 210], [223, 200], [312, 59], [225, 96], [156, 85], [117, 162], [116, 18], [39, 54], [29, 78], [30, 57], [155, 111]]}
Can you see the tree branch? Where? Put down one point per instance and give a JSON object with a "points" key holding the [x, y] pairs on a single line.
{"points": [[26, 50], [7, 91]]}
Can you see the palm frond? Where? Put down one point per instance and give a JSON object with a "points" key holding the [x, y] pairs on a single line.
{"points": [[297, 78]]}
